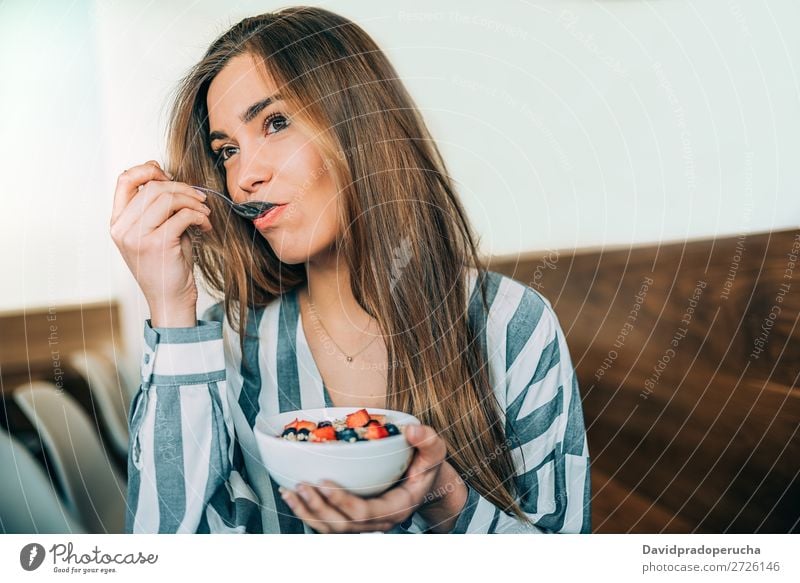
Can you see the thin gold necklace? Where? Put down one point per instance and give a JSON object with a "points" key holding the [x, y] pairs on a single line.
{"points": [[349, 357]]}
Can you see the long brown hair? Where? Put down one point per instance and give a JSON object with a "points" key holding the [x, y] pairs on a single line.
{"points": [[405, 236]]}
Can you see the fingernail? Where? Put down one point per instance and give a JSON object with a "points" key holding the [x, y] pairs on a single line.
{"points": [[413, 431], [303, 491], [201, 193], [170, 175]]}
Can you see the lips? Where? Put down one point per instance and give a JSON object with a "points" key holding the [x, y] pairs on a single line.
{"points": [[269, 217]]}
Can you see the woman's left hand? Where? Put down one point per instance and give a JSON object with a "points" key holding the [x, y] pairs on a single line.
{"points": [[329, 508]]}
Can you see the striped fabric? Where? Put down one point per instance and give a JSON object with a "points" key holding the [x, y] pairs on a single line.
{"points": [[194, 466]]}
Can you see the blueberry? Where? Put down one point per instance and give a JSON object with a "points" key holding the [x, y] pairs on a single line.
{"points": [[392, 429], [288, 431], [348, 435], [324, 424]]}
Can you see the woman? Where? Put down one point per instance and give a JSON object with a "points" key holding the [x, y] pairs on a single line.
{"points": [[363, 289]]}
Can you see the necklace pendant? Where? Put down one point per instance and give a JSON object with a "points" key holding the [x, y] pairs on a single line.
{"points": [[349, 359]]}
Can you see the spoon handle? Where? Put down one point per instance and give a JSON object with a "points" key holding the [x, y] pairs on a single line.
{"points": [[247, 210], [219, 194]]}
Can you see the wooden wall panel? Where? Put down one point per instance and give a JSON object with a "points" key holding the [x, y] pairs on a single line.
{"points": [[710, 435], [33, 344]]}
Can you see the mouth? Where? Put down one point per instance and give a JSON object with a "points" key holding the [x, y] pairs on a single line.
{"points": [[269, 217]]}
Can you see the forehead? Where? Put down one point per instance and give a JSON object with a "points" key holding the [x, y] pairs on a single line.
{"points": [[241, 82]]}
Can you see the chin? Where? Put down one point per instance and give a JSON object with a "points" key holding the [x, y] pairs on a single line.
{"points": [[292, 253], [287, 252], [288, 258]]}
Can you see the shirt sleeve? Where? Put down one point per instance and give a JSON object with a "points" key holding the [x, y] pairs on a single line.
{"points": [[185, 470], [544, 430]]}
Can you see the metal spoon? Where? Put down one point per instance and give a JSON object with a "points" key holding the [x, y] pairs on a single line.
{"points": [[248, 210]]}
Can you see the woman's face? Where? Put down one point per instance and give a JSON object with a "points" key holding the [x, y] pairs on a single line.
{"points": [[266, 157]]}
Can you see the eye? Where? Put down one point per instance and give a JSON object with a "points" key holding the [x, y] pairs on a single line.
{"points": [[278, 119], [223, 154]]}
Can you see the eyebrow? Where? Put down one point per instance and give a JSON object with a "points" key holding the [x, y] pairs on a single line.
{"points": [[249, 115]]}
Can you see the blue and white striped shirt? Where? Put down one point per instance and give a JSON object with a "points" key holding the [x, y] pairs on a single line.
{"points": [[193, 464]]}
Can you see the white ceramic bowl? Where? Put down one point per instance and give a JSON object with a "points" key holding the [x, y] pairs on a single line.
{"points": [[364, 468]]}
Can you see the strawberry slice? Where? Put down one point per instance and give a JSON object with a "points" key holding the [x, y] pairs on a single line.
{"points": [[310, 425], [358, 419], [293, 424], [376, 432], [327, 433]]}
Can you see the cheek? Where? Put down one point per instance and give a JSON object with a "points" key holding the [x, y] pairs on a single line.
{"points": [[318, 218], [309, 227], [311, 224], [317, 200], [328, 214]]}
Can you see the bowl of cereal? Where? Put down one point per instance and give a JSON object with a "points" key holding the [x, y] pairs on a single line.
{"points": [[364, 451]]}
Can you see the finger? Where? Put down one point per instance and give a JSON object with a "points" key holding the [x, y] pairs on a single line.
{"points": [[431, 448], [394, 505], [419, 478], [176, 225], [155, 203], [167, 204], [309, 506], [377, 513], [419, 469], [153, 190], [128, 184], [354, 507], [299, 509], [426, 439], [338, 521]]}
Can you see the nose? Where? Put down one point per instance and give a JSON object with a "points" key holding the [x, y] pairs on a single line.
{"points": [[256, 171]]}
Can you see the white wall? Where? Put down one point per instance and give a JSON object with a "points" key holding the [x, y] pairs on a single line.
{"points": [[53, 229], [567, 123]]}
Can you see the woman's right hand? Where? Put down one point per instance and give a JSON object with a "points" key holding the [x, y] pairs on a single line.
{"points": [[148, 225]]}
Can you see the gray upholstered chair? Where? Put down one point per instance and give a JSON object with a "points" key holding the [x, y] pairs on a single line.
{"points": [[29, 502], [108, 395], [94, 490]]}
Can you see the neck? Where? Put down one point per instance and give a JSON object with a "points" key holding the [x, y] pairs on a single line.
{"points": [[328, 288]]}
